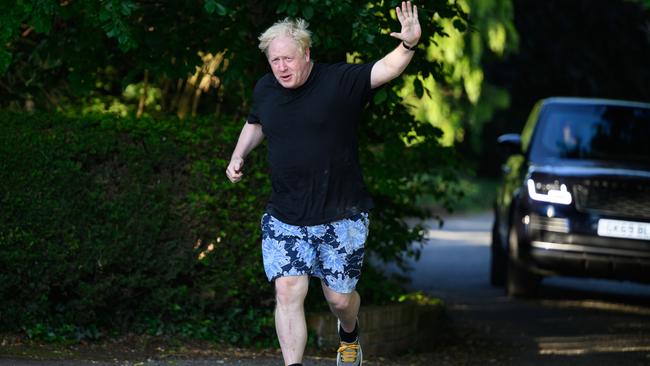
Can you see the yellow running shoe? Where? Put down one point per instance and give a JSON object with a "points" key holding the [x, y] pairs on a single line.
{"points": [[349, 354]]}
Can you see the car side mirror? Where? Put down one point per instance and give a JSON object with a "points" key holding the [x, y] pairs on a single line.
{"points": [[510, 143]]}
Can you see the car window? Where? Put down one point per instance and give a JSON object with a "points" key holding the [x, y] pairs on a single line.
{"points": [[605, 133]]}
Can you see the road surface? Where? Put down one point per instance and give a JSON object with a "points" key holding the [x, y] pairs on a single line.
{"points": [[573, 322]]}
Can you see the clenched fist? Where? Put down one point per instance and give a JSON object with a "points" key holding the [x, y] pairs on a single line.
{"points": [[234, 170]]}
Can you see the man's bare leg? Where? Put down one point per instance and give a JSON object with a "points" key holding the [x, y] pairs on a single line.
{"points": [[344, 306], [290, 323]]}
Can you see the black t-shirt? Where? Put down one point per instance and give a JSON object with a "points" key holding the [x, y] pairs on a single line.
{"points": [[311, 134]]}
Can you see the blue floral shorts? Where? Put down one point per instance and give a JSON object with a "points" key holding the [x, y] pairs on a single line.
{"points": [[332, 252]]}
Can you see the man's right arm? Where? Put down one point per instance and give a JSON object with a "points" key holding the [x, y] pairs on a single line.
{"points": [[251, 135]]}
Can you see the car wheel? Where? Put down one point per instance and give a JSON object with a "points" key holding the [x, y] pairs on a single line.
{"points": [[520, 282], [498, 260]]}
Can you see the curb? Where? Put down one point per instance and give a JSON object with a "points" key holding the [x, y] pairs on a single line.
{"points": [[385, 330]]}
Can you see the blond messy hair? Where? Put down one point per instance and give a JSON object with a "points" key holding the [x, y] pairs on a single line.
{"points": [[294, 28]]}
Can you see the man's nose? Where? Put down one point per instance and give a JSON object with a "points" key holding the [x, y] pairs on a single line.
{"points": [[283, 65]]}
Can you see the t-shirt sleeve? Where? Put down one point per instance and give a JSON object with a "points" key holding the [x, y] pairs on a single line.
{"points": [[355, 80], [253, 116], [254, 113]]}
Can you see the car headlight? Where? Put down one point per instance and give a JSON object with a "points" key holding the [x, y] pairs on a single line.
{"points": [[549, 192]]}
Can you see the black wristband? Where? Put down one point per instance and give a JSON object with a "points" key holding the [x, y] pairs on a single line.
{"points": [[409, 48]]}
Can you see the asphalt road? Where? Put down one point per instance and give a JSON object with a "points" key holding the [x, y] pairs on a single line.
{"points": [[573, 322]]}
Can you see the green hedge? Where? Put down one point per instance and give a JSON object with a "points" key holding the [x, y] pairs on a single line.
{"points": [[103, 222]]}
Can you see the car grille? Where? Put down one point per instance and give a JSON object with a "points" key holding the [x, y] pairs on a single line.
{"points": [[614, 197]]}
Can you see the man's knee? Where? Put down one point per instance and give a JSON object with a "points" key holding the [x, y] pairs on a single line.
{"points": [[339, 302], [291, 290]]}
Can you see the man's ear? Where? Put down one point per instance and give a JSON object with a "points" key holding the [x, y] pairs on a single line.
{"points": [[307, 57]]}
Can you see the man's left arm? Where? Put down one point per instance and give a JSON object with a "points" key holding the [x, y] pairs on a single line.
{"points": [[393, 64]]}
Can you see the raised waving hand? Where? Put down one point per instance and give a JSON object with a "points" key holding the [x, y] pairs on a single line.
{"points": [[408, 18]]}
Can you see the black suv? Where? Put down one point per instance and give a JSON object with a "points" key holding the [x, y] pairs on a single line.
{"points": [[575, 195]]}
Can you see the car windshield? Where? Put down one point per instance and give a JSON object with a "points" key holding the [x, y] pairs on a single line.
{"points": [[616, 134]]}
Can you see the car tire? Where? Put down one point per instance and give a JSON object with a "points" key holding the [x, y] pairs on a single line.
{"points": [[520, 282], [498, 260]]}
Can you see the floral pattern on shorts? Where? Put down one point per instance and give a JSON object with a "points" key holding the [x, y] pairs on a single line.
{"points": [[332, 252]]}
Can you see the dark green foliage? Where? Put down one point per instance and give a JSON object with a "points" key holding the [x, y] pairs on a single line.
{"points": [[103, 222], [57, 51]]}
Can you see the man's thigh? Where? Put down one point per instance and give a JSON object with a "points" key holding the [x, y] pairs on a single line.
{"points": [[341, 252], [286, 249]]}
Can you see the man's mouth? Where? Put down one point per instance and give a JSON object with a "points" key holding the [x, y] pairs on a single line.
{"points": [[285, 77]]}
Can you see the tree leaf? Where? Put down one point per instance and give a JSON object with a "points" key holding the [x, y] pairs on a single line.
{"points": [[5, 61], [308, 12], [419, 89], [281, 8], [460, 25], [210, 6], [221, 10], [380, 96], [292, 9], [128, 8]]}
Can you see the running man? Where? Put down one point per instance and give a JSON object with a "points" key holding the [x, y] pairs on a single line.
{"points": [[316, 220]]}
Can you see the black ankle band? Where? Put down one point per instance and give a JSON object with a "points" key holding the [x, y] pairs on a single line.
{"points": [[296, 364], [349, 337]]}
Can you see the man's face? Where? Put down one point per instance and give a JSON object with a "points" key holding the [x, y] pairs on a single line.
{"points": [[290, 67]]}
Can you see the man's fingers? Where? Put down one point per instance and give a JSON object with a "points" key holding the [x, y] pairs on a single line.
{"points": [[407, 12], [396, 35], [400, 16], [234, 177], [234, 170], [406, 9], [236, 164]]}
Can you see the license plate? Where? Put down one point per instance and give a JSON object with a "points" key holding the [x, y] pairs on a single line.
{"points": [[624, 229]]}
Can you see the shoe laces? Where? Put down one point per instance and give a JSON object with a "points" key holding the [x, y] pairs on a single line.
{"points": [[348, 351]]}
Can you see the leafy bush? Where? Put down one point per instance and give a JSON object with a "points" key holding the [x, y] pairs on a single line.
{"points": [[111, 223]]}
